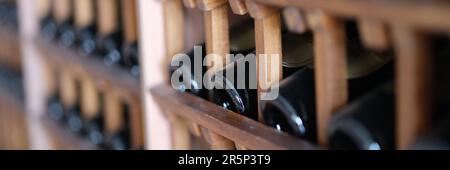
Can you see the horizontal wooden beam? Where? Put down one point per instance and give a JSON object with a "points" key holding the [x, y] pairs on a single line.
{"points": [[430, 15], [233, 126]]}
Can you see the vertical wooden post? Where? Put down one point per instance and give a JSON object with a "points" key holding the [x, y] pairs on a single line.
{"points": [[129, 20], [107, 17], [34, 70], [374, 34], [135, 120], [174, 36], [62, 10], [295, 20], [113, 111], [414, 80], [238, 7], [268, 42], [331, 68], [68, 88], [152, 59], [90, 104], [84, 16], [217, 42], [174, 40]]}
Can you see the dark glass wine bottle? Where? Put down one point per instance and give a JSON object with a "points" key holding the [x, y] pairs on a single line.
{"points": [[437, 137], [109, 38], [47, 21], [120, 139], [296, 54], [86, 28], [294, 110], [94, 125], [64, 17], [366, 70], [130, 47], [367, 123], [73, 112], [8, 14], [242, 41], [192, 85], [242, 100]]}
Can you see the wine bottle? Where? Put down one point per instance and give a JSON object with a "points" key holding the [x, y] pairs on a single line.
{"points": [[70, 94], [192, 85], [55, 107], [63, 14], [109, 38], [47, 22], [244, 101], [365, 124], [242, 41], [8, 14], [92, 112], [365, 70], [294, 110], [86, 27], [437, 137], [130, 47], [119, 137]]}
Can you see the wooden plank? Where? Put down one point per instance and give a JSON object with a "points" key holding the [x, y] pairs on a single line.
{"points": [[295, 20], [69, 95], [136, 119], [374, 34], [10, 49], [429, 15], [110, 76], [113, 111], [129, 20], [218, 43], [62, 10], [217, 33], [238, 7], [268, 42], [230, 125], [174, 36], [414, 80], [107, 16], [152, 51], [174, 41], [190, 3], [90, 99], [331, 68], [84, 13]]}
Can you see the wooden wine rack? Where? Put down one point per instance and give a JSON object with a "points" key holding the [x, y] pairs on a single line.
{"points": [[404, 26], [400, 25], [115, 82], [12, 112]]}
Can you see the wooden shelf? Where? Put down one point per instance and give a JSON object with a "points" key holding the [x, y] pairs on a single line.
{"points": [[13, 126], [63, 138], [88, 65], [233, 126], [430, 15], [10, 48]]}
